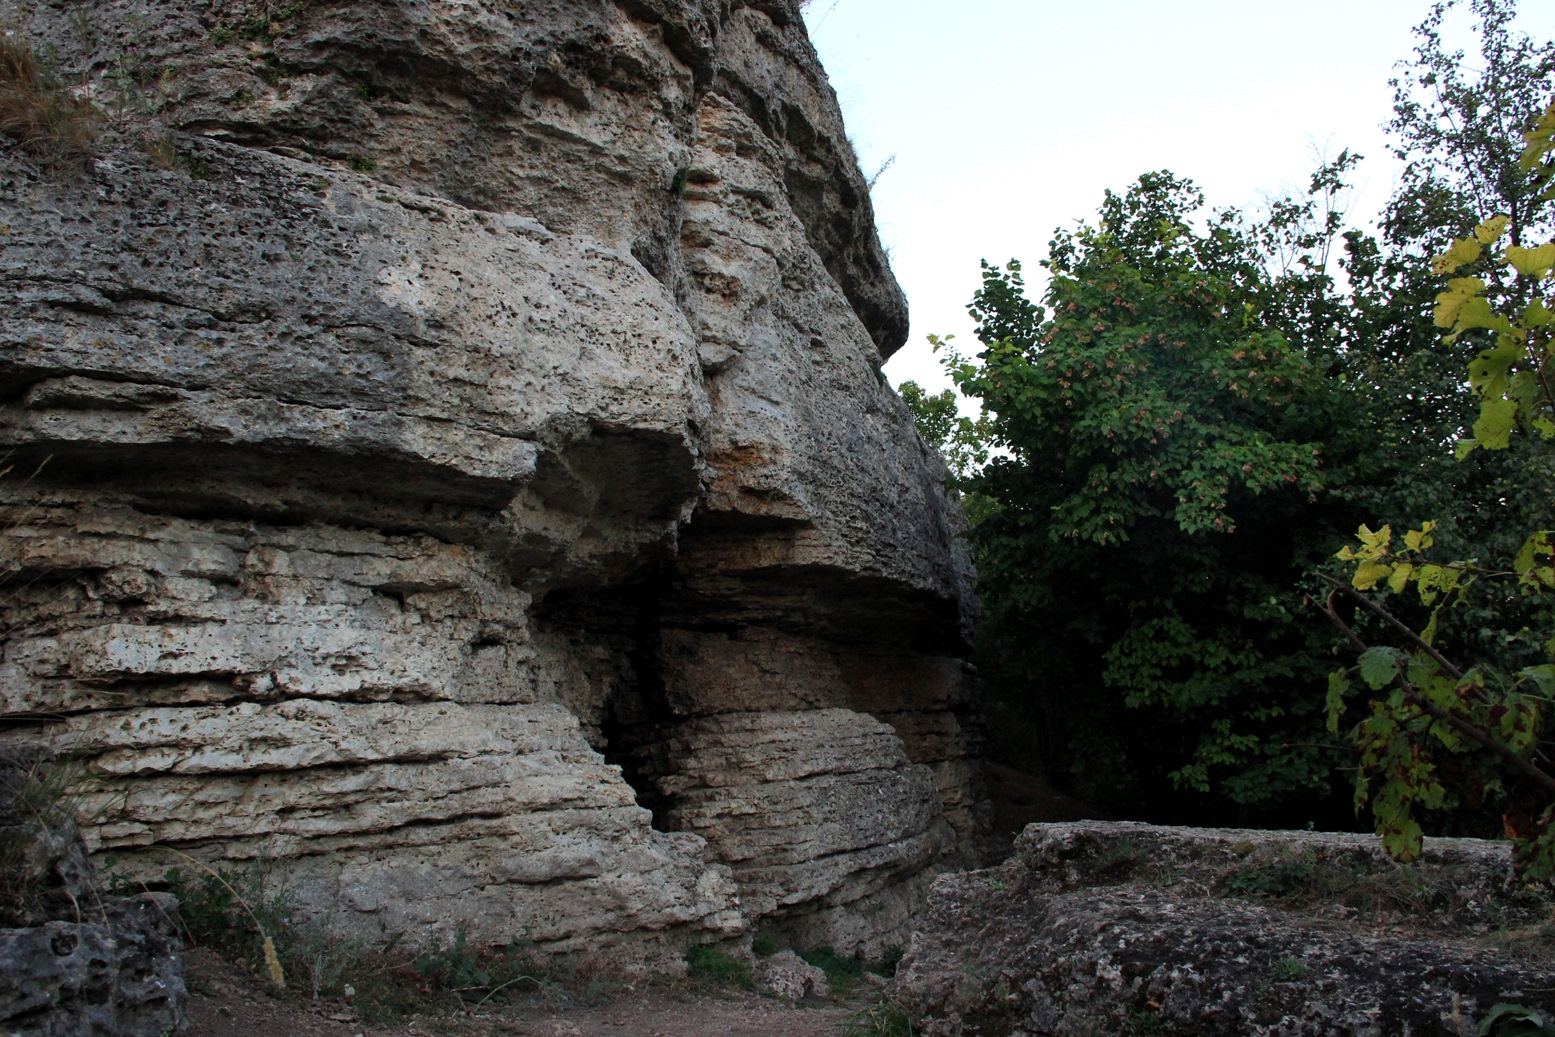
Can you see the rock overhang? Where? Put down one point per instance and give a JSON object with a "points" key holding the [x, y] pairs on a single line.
{"points": [[521, 427]]}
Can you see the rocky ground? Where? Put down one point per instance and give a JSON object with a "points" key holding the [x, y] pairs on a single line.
{"points": [[1126, 928], [227, 1001]]}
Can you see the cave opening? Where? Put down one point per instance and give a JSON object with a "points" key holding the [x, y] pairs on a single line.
{"points": [[614, 639]]}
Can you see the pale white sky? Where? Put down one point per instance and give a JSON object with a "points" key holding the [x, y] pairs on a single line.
{"points": [[1008, 118]]}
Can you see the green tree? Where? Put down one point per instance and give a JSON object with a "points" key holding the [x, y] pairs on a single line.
{"points": [[1156, 489]]}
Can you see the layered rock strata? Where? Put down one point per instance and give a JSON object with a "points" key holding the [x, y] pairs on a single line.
{"points": [[450, 465], [1116, 927]]}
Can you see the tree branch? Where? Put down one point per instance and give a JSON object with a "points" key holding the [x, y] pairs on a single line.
{"points": [[1397, 624], [1457, 723]]}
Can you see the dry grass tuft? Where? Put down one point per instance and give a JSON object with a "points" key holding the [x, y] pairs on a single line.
{"points": [[37, 113]]}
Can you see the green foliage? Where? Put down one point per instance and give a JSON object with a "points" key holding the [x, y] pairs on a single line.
{"points": [[1193, 418], [764, 945], [715, 965], [1487, 718], [963, 442], [360, 163], [1156, 463]]}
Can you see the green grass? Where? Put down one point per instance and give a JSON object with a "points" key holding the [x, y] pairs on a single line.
{"points": [[1289, 970], [714, 965]]}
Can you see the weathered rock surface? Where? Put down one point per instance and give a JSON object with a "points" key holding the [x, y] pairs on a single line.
{"points": [[789, 976], [1112, 927], [441, 432]]}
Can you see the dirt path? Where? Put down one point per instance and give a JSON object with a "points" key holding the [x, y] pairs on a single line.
{"points": [[226, 1001]]}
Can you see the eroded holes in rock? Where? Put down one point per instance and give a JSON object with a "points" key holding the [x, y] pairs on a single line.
{"points": [[611, 642]]}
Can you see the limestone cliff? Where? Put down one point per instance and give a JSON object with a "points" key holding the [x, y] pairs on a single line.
{"points": [[463, 476]]}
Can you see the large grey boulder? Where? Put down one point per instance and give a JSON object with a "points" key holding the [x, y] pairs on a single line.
{"points": [[1116, 928], [431, 424]]}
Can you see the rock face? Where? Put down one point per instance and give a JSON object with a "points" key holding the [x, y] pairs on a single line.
{"points": [[1114, 927], [450, 464]]}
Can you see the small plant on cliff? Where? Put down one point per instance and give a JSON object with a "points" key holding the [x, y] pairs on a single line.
{"points": [[37, 825], [37, 113], [244, 912]]}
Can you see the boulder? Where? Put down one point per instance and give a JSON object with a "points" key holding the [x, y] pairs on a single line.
{"points": [[787, 975]]}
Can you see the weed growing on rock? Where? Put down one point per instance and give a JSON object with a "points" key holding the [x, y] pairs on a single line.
{"points": [[1289, 970], [38, 113], [37, 833], [881, 1020], [1515, 1021], [715, 965], [764, 945], [1120, 859], [360, 163], [1144, 1022], [164, 154]]}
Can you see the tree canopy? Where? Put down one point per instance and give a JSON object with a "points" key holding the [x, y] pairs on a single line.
{"points": [[1200, 410]]}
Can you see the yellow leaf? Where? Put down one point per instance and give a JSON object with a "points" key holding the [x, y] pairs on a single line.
{"points": [[1463, 252], [1541, 139], [1419, 539], [1400, 578], [1377, 541], [1532, 262], [1370, 574], [1449, 303], [1491, 230]]}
